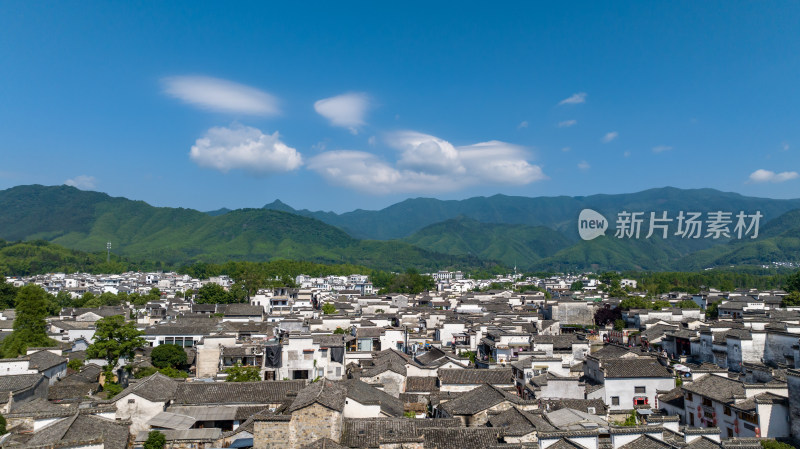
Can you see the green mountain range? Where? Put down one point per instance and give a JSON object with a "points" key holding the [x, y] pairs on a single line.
{"points": [[88, 220], [429, 234], [512, 244], [559, 213]]}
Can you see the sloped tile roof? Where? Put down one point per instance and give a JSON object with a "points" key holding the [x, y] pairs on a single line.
{"points": [[209, 393], [155, 388], [637, 367], [324, 392], [83, 428], [457, 376]]}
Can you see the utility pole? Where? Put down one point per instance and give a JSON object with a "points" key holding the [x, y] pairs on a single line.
{"points": [[108, 252]]}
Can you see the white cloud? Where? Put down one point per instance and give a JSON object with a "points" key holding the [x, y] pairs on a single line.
{"points": [[346, 110], [785, 146], [567, 123], [661, 149], [372, 141], [422, 152], [626, 154], [610, 136], [566, 149], [761, 175], [583, 165], [427, 163], [82, 182], [246, 148], [578, 98], [221, 95], [522, 124]]}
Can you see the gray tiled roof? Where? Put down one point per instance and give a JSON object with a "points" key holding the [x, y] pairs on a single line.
{"points": [[478, 399], [365, 393], [501, 376], [460, 438], [155, 388], [646, 442], [564, 443], [718, 388], [44, 360], [83, 428], [417, 384], [324, 392], [16, 383], [637, 367], [208, 393], [516, 422], [371, 432]]}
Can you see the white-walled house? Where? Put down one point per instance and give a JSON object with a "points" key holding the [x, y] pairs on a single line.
{"points": [[629, 382]]}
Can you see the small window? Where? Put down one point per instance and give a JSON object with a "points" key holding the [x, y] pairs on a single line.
{"points": [[727, 411], [689, 396], [131, 401], [640, 390], [707, 402], [614, 400], [591, 410]]}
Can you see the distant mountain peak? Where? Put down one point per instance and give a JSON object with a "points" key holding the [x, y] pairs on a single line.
{"points": [[279, 205]]}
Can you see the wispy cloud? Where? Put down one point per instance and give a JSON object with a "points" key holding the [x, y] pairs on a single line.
{"points": [[346, 110], [83, 182], [785, 146], [577, 98], [522, 124], [661, 149], [583, 165], [626, 154], [221, 95], [762, 176], [566, 149], [245, 148], [610, 136], [427, 163], [567, 123]]}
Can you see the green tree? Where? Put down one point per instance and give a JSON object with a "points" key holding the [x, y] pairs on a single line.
{"points": [[712, 310], [630, 420], [576, 286], [112, 389], [75, 364], [634, 302], [84, 299], [339, 331], [772, 444], [155, 440], [241, 373], [619, 324], [791, 300], [64, 299], [30, 327], [660, 304], [3, 430], [164, 356], [688, 304], [409, 282], [8, 294], [328, 308], [792, 283], [115, 339], [212, 293]]}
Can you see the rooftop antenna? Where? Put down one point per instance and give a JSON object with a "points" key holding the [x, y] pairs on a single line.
{"points": [[108, 252]]}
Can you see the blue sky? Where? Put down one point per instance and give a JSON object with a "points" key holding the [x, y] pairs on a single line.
{"points": [[178, 104]]}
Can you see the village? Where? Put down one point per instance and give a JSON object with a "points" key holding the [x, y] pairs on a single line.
{"points": [[331, 363]]}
